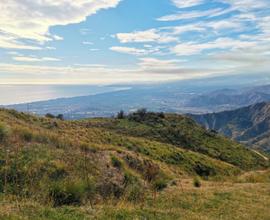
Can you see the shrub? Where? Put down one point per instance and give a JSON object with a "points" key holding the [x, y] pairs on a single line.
{"points": [[160, 184], [129, 179], [3, 132], [108, 188], [121, 115], [60, 117], [68, 193], [196, 182], [134, 163], [49, 115], [204, 170], [26, 135], [116, 162], [57, 170], [151, 170], [135, 193]]}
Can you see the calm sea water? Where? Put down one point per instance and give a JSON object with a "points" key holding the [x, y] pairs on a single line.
{"points": [[14, 94]]}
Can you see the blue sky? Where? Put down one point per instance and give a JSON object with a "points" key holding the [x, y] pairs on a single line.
{"points": [[129, 41]]}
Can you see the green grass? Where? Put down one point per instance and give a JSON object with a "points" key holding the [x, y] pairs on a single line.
{"points": [[123, 169], [183, 132]]}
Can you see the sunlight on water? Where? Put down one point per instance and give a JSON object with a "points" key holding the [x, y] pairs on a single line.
{"points": [[14, 94]]}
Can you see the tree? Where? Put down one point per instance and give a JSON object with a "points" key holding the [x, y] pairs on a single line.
{"points": [[142, 112], [121, 115], [49, 115], [60, 116]]}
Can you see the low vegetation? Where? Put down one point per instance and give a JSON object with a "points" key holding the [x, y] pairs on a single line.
{"points": [[138, 166]]}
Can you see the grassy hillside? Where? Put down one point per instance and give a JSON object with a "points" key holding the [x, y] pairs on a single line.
{"points": [[54, 169], [182, 132]]}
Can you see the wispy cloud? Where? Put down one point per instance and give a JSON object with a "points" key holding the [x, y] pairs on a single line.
{"points": [[194, 38], [34, 59], [184, 15], [130, 50], [186, 3], [87, 43], [191, 48], [151, 35], [31, 20]]}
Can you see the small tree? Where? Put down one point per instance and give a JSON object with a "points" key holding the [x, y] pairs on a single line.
{"points": [[60, 117], [142, 112], [121, 115], [49, 115]]}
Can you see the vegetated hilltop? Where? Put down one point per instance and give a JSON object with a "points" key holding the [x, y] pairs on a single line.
{"points": [[48, 163], [250, 125]]}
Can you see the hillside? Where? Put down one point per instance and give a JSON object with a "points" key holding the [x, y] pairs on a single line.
{"points": [[250, 125], [81, 169]]}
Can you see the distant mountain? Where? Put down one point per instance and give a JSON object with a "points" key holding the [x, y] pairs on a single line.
{"points": [[227, 99], [196, 97], [250, 125]]}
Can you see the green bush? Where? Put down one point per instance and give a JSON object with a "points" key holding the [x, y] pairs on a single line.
{"points": [[160, 184], [68, 193]]}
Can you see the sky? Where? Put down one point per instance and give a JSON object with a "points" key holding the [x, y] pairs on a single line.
{"points": [[131, 41]]}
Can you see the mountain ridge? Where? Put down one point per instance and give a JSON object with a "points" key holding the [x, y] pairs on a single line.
{"points": [[250, 125]]}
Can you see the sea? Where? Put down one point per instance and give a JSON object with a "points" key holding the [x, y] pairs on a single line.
{"points": [[17, 94]]}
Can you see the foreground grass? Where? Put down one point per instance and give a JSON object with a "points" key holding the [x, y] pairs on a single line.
{"points": [[213, 200]]}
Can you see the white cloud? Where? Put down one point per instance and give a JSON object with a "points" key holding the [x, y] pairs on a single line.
{"points": [[25, 19], [80, 74], [225, 24], [149, 63], [87, 43], [151, 35], [191, 48], [13, 53], [130, 50], [186, 3], [194, 14], [50, 48], [244, 5], [84, 31], [10, 42], [34, 59], [247, 5]]}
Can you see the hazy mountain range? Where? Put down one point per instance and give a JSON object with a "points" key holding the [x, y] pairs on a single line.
{"points": [[196, 97]]}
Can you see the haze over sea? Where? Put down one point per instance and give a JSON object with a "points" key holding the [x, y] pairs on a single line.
{"points": [[14, 94]]}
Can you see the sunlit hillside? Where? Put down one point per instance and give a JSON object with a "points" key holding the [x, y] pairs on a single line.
{"points": [[140, 166]]}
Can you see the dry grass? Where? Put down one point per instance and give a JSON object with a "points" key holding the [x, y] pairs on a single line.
{"points": [[212, 201]]}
